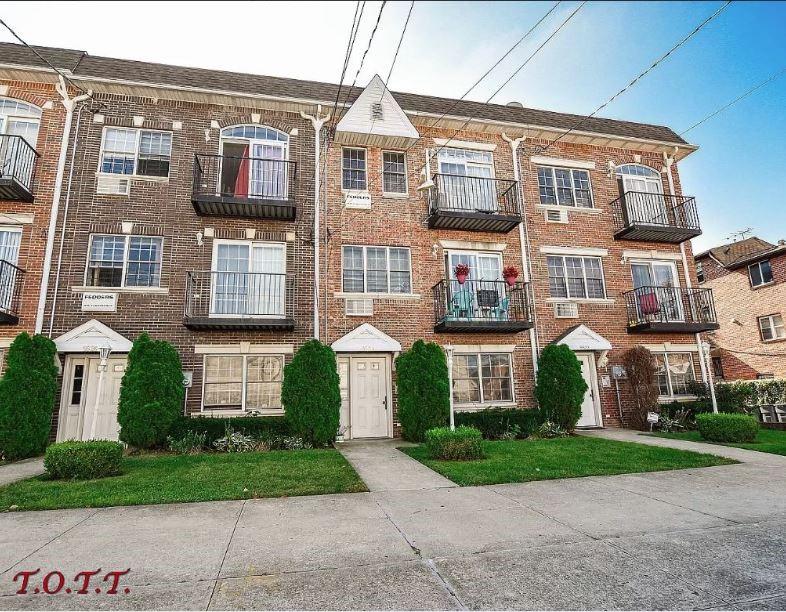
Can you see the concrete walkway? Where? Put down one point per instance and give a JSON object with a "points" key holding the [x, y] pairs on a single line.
{"points": [[19, 470]]}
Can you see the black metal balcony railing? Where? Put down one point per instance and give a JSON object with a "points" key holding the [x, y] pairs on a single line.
{"points": [[481, 306], [251, 187], [655, 217], [17, 168], [670, 309], [473, 203], [239, 300], [11, 279]]}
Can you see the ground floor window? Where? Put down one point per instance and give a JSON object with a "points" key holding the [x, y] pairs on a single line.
{"points": [[482, 378], [675, 373], [243, 382]]}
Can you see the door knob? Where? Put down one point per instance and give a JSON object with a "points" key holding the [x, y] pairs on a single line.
{"points": [[385, 402]]}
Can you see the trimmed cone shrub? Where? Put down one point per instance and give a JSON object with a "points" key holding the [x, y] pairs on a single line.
{"points": [[461, 444], [560, 387], [83, 460], [727, 427], [27, 397], [641, 373], [423, 390], [311, 395], [151, 394]]}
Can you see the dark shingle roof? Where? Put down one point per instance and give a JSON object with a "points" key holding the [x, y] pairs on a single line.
{"points": [[82, 64], [741, 252]]}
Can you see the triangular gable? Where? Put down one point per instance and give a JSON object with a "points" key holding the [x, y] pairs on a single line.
{"points": [[366, 339], [582, 338], [388, 126], [90, 337]]}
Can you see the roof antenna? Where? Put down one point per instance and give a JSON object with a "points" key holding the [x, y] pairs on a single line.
{"points": [[741, 235]]}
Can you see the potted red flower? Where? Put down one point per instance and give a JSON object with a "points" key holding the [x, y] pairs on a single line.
{"points": [[462, 272], [510, 274]]}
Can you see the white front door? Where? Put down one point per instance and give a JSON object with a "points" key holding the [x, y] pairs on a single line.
{"points": [[101, 395], [589, 407], [368, 397]]}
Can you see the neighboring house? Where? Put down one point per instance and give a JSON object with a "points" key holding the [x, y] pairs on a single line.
{"points": [[193, 214], [748, 279]]}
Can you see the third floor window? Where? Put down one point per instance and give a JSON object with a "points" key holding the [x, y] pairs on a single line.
{"points": [[576, 277], [136, 152], [760, 273], [353, 169], [564, 187], [373, 269]]}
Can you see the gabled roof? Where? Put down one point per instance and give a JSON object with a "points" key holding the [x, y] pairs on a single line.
{"points": [[736, 254], [91, 337], [582, 338], [366, 339]]}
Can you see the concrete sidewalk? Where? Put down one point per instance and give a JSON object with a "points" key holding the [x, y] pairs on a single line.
{"points": [[19, 470]]}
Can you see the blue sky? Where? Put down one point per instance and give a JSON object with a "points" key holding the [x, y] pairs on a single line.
{"points": [[735, 175]]}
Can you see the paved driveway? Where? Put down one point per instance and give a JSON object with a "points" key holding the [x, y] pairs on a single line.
{"points": [[703, 538]]}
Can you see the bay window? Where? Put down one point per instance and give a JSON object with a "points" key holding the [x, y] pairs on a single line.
{"points": [[243, 383], [575, 277], [482, 378]]}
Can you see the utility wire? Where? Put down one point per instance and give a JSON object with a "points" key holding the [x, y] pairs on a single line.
{"points": [[728, 350], [347, 53]]}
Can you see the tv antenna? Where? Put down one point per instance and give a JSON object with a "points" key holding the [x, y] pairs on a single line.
{"points": [[741, 235]]}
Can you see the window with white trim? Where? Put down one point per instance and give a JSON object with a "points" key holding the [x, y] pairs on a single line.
{"points": [[243, 382], [372, 269], [394, 172], [124, 261], [482, 378], [674, 373], [131, 151], [760, 273], [564, 187], [772, 327], [353, 169], [699, 272], [575, 277]]}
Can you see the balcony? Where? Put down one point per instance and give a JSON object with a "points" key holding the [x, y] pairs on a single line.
{"points": [[249, 187], [481, 306], [11, 278], [17, 168], [670, 309], [655, 217], [239, 300], [473, 203]]}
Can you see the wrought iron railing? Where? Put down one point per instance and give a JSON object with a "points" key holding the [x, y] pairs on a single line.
{"points": [[11, 279], [231, 177], [473, 194], [481, 301], [240, 295], [670, 305], [656, 209], [17, 160]]}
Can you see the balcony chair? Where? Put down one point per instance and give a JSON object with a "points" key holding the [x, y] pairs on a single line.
{"points": [[462, 305]]}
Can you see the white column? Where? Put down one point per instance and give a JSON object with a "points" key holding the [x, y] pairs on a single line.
{"points": [[449, 352]]}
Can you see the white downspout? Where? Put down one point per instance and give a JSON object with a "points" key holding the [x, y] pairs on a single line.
{"points": [[525, 251], [317, 122], [69, 104]]}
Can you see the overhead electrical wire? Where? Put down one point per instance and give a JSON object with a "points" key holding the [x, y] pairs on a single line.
{"points": [[348, 52]]}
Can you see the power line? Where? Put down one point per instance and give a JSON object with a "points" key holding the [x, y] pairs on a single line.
{"points": [[738, 99], [347, 53], [728, 350], [638, 78]]}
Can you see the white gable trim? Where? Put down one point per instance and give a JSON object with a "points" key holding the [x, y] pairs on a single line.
{"points": [[590, 251], [366, 339], [539, 160], [90, 337], [584, 339], [465, 144]]}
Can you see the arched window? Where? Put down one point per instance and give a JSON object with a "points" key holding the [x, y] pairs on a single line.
{"points": [[20, 118], [637, 170], [254, 161], [642, 189]]}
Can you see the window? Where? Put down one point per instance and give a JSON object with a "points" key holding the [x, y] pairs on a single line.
{"points": [[717, 367], [124, 261], [77, 381], [564, 187], [19, 118], [394, 173], [248, 279], [139, 152], [482, 378], [254, 162], [376, 270], [575, 277], [243, 382], [466, 181], [772, 327], [353, 169], [674, 373], [699, 272], [760, 273]]}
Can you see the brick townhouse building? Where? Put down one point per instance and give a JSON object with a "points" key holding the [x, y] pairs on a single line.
{"points": [[748, 280], [198, 211]]}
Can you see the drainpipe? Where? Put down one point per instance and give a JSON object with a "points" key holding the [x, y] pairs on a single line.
{"points": [[69, 104], [704, 365], [525, 249], [317, 122]]}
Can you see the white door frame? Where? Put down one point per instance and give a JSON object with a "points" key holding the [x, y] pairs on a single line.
{"points": [[593, 386], [388, 388]]}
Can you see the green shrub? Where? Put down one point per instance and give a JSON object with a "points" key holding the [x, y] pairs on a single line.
{"points": [[311, 395], [27, 397], [461, 444], [235, 442], [500, 423], [151, 394], [190, 443], [83, 460], [549, 430], [642, 379], [560, 387], [725, 427], [215, 428], [423, 390]]}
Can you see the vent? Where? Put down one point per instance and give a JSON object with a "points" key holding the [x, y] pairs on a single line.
{"points": [[359, 307], [566, 310], [377, 114], [113, 185], [555, 215]]}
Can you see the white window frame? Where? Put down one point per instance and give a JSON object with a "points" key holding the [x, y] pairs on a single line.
{"points": [[365, 170], [570, 171], [467, 163], [584, 274], [669, 383], [126, 249], [242, 410], [138, 141], [483, 403], [758, 265], [773, 327], [30, 118], [365, 247], [395, 194]]}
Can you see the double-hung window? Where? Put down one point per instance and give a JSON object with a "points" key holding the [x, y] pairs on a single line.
{"points": [[394, 172], [564, 187], [575, 277], [372, 269], [772, 327], [353, 169], [243, 382], [136, 152], [760, 273], [482, 378], [674, 373], [466, 181], [124, 261]]}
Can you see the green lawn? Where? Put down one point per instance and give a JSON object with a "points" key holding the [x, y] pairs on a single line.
{"points": [[525, 460], [165, 479], [767, 441]]}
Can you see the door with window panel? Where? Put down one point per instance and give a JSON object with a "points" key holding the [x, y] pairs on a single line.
{"points": [[467, 180], [268, 177], [657, 291], [249, 280], [646, 204], [17, 118], [481, 292], [9, 272]]}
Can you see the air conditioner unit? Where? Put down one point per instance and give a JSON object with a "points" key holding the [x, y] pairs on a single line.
{"points": [[556, 215], [566, 310], [113, 185], [359, 307]]}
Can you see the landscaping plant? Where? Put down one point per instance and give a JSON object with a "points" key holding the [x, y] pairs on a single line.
{"points": [[460, 444], [83, 460], [727, 427], [501, 423], [27, 397], [642, 377], [214, 428], [549, 430], [151, 393], [234, 442], [560, 387], [423, 389], [311, 395], [191, 443]]}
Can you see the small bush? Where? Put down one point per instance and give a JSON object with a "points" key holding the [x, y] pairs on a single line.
{"points": [[83, 460], [723, 427], [549, 430], [461, 444], [190, 444], [234, 442], [214, 428], [500, 423], [423, 390], [276, 442], [560, 387]]}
